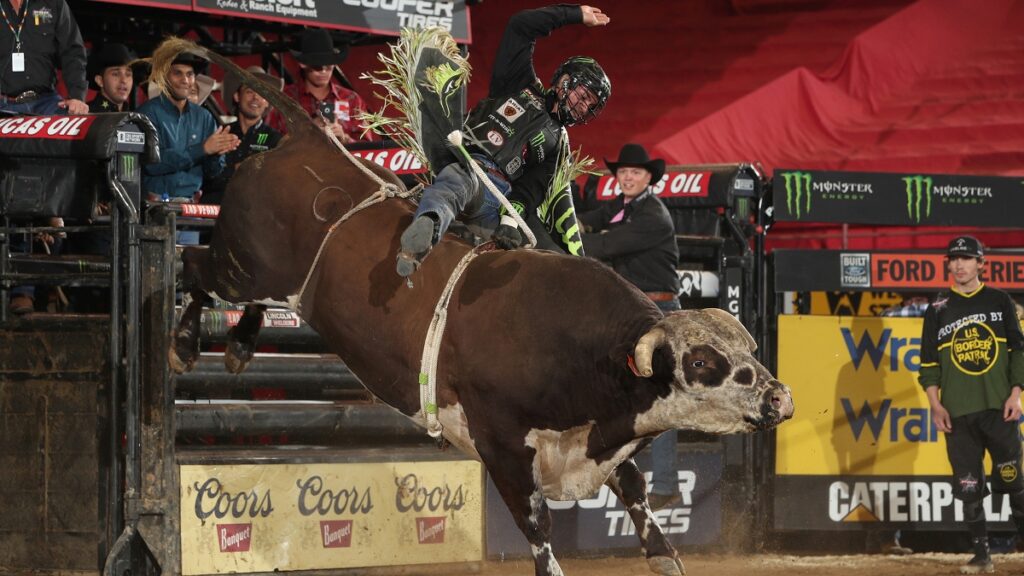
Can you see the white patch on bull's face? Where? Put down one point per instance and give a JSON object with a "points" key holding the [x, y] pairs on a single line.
{"points": [[718, 387], [561, 465]]}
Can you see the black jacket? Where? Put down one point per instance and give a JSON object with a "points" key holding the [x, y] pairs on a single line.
{"points": [[641, 247], [101, 104], [50, 40], [259, 138], [525, 148]]}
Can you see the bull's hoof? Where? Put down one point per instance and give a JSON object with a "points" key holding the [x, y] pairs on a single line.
{"points": [[237, 356], [177, 364], [183, 353], [665, 566]]}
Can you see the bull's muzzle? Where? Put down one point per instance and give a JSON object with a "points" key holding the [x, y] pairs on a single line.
{"points": [[776, 406]]}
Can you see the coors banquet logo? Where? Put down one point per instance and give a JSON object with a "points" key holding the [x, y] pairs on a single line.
{"points": [[801, 186]]}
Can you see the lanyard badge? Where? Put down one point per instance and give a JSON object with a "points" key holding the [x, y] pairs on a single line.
{"points": [[18, 57]]}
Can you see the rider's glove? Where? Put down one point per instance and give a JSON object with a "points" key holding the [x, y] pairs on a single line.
{"points": [[507, 235]]}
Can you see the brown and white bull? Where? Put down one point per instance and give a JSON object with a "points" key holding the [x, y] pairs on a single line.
{"points": [[553, 371]]}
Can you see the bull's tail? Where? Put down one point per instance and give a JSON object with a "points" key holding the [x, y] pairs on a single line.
{"points": [[294, 115]]}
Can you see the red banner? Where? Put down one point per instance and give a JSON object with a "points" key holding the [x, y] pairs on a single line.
{"points": [[672, 185], [928, 271], [46, 127], [398, 160]]}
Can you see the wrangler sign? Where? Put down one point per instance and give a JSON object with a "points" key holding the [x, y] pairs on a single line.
{"points": [[863, 448], [896, 199]]}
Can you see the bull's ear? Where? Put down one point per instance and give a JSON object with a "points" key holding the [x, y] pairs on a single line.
{"points": [[731, 327]]}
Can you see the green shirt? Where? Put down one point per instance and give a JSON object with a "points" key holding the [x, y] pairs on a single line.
{"points": [[972, 348]]}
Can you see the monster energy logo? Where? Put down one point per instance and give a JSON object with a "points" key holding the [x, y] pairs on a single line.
{"points": [[537, 139], [127, 167], [798, 188], [261, 138], [919, 191], [445, 80]]}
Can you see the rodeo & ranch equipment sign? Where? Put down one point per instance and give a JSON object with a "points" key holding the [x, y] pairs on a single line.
{"points": [[385, 17], [896, 199]]}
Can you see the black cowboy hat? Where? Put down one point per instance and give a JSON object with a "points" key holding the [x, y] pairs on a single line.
{"points": [[232, 83], [199, 65], [109, 55], [316, 48], [636, 155]]}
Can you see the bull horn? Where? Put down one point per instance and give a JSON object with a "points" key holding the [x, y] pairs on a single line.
{"points": [[739, 330], [644, 350]]}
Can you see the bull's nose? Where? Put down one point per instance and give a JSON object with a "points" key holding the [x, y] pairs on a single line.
{"points": [[781, 400]]}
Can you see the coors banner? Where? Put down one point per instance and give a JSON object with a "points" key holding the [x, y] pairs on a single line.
{"points": [[897, 199], [385, 17]]}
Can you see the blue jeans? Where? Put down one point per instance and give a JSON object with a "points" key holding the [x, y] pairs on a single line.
{"points": [[664, 469], [45, 105], [453, 190]]}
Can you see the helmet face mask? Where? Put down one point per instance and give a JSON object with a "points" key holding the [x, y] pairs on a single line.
{"points": [[581, 89]]}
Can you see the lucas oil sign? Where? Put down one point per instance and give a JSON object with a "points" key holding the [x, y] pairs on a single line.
{"points": [[863, 447]]}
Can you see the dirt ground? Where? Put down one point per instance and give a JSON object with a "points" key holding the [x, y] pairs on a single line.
{"points": [[928, 564]]}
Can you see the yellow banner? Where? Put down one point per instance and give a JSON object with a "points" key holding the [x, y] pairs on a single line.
{"points": [[860, 410], [265, 518], [853, 303]]}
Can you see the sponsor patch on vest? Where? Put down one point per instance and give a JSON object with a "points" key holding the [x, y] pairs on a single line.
{"points": [[514, 165], [511, 110], [494, 138]]}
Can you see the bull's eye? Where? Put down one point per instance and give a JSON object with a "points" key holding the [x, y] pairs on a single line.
{"points": [[698, 364]]}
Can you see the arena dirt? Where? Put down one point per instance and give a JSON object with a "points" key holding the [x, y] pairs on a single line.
{"points": [[929, 564]]}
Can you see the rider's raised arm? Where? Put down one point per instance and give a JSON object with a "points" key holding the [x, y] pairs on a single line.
{"points": [[513, 64]]}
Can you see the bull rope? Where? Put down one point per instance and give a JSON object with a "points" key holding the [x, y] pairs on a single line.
{"points": [[432, 346], [386, 190], [435, 333]]}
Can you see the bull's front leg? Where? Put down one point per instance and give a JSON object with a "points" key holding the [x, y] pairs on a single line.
{"points": [[242, 339], [629, 485], [521, 490], [185, 339]]}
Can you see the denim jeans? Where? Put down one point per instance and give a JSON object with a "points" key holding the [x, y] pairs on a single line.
{"points": [[45, 105], [664, 470], [453, 190]]}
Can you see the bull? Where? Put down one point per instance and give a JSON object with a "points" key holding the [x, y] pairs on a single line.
{"points": [[553, 387]]}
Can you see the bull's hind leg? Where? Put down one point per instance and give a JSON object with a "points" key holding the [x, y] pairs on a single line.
{"points": [[629, 485], [521, 492], [184, 349], [242, 339]]}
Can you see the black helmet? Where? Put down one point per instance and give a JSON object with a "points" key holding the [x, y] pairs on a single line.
{"points": [[581, 71]]}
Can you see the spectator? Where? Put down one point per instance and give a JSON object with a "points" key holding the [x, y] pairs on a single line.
{"points": [[35, 47], [635, 235], [111, 74], [326, 101], [254, 134], [191, 145], [38, 46], [972, 351]]}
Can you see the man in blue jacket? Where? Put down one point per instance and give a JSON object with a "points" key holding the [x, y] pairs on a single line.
{"points": [[191, 144]]}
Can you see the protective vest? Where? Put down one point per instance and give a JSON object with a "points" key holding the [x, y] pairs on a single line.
{"points": [[516, 132]]}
